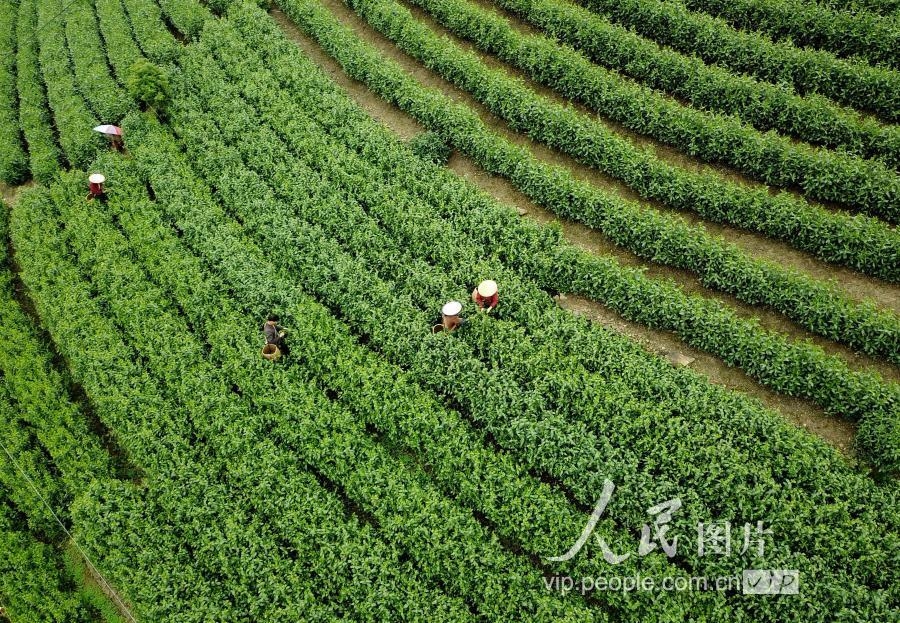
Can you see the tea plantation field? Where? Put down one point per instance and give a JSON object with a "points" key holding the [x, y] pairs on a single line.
{"points": [[685, 407]]}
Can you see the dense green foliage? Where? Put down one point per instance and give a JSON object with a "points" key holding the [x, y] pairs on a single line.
{"points": [[809, 71], [882, 7], [863, 243], [241, 193], [73, 120], [33, 583], [48, 457], [186, 15], [121, 48], [379, 471], [185, 502], [13, 162], [857, 33], [660, 237], [430, 146], [149, 85], [92, 75], [765, 106], [150, 33], [34, 116]]}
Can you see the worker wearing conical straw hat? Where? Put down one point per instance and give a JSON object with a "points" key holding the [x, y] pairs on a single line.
{"points": [[95, 186], [450, 320], [485, 295]]}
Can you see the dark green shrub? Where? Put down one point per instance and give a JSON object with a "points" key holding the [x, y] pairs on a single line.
{"points": [[431, 147]]}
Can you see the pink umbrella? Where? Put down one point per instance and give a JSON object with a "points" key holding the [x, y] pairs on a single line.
{"points": [[112, 130]]}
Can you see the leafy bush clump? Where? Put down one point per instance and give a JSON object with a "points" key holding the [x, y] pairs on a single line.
{"points": [[149, 85], [431, 147]]}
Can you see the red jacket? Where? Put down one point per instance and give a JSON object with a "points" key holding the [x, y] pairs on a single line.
{"points": [[487, 301]]}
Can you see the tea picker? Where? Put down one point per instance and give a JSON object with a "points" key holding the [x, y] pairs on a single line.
{"points": [[275, 346], [114, 133], [95, 186], [450, 319], [485, 295]]}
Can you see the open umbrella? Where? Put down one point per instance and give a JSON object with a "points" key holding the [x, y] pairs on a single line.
{"points": [[112, 130]]}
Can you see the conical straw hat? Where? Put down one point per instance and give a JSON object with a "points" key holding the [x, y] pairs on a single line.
{"points": [[451, 308], [488, 287]]}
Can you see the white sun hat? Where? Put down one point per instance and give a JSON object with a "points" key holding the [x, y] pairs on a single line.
{"points": [[488, 287], [112, 130], [96, 178], [451, 308]]}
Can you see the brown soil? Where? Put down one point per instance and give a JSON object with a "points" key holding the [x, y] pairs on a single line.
{"points": [[803, 413], [10, 194]]}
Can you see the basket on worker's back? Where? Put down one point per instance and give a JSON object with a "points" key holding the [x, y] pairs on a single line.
{"points": [[271, 352]]}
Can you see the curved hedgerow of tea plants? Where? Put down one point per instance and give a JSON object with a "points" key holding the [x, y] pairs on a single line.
{"points": [[92, 75], [454, 453], [259, 156], [42, 405], [836, 238], [768, 157], [164, 575], [394, 317], [858, 34], [148, 430], [121, 48], [13, 162], [153, 558], [854, 83], [324, 437], [285, 120], [765, 106], [35, 119], [172, 355], [73, 120], [862, 185], [232, 337], [150, 32], [26, 472], [647, 233], [187, 16], [497, 231]]}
